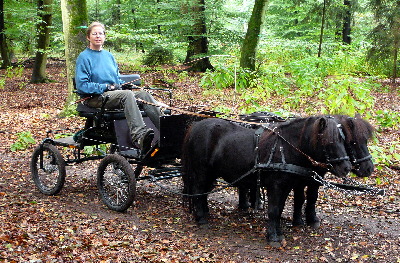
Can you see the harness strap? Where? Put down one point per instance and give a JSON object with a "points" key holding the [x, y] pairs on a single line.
{"points": [[286, 167], [357, 161]]}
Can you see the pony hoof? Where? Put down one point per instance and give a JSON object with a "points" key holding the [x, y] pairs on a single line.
{"points": [[298, 223], [314, 225], [204, 226], [202, 221], [275, 244], [243, 208]]}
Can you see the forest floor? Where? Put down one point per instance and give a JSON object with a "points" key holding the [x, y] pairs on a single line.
{"points": [[75, 226]]}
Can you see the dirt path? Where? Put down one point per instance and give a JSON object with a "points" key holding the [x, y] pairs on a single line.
{"points": [[76, 227]]}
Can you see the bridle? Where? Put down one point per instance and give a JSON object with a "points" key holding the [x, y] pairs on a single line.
{"points": [[356, 162], [339, 159]]}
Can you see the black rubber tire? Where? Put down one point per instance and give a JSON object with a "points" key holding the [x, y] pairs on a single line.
{"points": [[51, 178], [116, 182]]}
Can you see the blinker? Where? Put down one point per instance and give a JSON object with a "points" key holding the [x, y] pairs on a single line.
{"points": [[339, 126]]}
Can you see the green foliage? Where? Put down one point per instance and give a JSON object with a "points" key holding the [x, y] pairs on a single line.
{"points": [[158, 56], [95, 150], [2, 83], [222, 110], [387, 119], [229, 77], [346, 95], [62, 135], [24, 140], [69, 110], [14, 72], [385, 155]]}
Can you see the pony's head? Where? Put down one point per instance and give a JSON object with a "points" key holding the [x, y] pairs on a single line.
{"points": [[358, 132], [327, 142]]}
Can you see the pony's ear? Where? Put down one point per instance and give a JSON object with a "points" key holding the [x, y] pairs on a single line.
{"points": [[351, 122], [322, 124], [357, 116]]}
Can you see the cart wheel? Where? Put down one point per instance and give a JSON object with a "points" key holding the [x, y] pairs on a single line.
{"points": [[116, 182], [48, 169]]}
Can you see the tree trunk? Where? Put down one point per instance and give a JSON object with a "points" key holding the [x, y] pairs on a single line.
{"points": [[396, 47], [395, 58], [5, 54], [321, 35], [347, 23], [250, 42], [75, 20], [198, 42], [396, 44], [43, 40]]}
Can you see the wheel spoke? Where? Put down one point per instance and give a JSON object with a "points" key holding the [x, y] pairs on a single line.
{"points": [[48, 169], [116, 182]]}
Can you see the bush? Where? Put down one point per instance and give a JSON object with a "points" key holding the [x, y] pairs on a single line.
{"points": [[229, 77], [158, 56], [24, 140]]}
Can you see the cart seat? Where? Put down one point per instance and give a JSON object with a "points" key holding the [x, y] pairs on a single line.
{"points": [[89, 112]]}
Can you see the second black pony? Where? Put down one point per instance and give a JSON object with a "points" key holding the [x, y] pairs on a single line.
{"points": [[284, 155], [357, 132]]}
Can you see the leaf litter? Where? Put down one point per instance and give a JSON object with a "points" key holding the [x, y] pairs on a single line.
{"points": [[75, 226]]}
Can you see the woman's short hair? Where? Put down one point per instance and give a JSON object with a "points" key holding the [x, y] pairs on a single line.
{"points": [[93, 24]]}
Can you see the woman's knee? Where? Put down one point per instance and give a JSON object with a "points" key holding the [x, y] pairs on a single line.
{"points": [[144, 95]]}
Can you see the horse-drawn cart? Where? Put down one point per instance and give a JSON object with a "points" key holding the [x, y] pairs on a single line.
{"points": [[280, 157], [122, 163]]}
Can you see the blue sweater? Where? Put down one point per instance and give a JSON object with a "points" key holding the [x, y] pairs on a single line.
{"points": [[94, 69]]}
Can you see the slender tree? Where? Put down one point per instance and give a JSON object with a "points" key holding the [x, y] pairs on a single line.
{"points": [[5, 54], [198, 41], [43, 40], [346, 38], [75, 20], [250, 42], [321, 35]]}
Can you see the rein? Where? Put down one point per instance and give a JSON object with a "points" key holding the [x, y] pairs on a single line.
{"points": [[262, 128]]}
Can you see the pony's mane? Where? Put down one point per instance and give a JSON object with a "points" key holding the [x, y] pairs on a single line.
{"points": [[311, 129], [357, 129]]}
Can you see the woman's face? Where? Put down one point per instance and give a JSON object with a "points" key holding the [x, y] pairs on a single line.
{"points": [[96, 38]]}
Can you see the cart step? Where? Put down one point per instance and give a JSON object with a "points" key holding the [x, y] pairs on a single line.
{"points": [[67, 141]]}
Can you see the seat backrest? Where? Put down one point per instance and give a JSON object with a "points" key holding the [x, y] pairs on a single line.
{"points": [[135, 78]]}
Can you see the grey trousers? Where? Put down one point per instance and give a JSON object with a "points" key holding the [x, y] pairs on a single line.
{"points": [[126, 100]]}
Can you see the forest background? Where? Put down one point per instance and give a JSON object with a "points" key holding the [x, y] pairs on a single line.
{"points": [[289, 57]]}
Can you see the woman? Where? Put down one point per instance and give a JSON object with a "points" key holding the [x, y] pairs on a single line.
{"points": [[97, 74]]}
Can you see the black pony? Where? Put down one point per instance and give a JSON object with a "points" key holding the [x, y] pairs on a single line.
{"points": [[286, 155], [357, 132]]}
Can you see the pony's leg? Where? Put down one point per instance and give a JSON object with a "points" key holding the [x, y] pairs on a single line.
{"points": [[255, 198], [200, 202], [243, 198], [284, 195], [299, 199], [201, 209], [312, 197], [277, 195]]}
